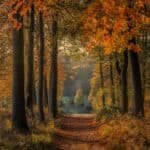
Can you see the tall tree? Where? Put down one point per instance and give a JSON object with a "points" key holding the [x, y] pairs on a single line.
{"points": [[53, 69], [19, 121], [111, 81], [138, 100], [145, 55], [41, 67], [30, 63], [124, 85], [45, 96], [118, 84], [101, 77], [122, 73]]}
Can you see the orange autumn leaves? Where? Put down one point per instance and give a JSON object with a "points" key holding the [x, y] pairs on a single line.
{"points": [[17, 7], [111, 24], [22, 7]]}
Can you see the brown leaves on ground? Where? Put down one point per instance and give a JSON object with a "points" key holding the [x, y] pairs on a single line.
{"points": [[126, 133], [122, 133]]}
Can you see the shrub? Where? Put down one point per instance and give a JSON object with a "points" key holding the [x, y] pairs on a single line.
{"points": [[108, 112]]}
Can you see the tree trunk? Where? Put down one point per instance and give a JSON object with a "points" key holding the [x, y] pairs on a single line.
{"points": [[45, 92], [53, 69], [101, 78], [144, 77], [112, 82], [122, 73], [144, 62], [118, 83], [19, 121], [124, 85], [138, 101], [41, 67], [30, 63]]}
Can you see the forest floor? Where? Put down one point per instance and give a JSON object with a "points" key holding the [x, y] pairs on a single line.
{"points": [[39, 138], [118, 133]]}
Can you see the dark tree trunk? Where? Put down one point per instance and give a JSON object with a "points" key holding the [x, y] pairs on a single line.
{"points": [[19, 121], [30, 63], [144, 77], [118, 83], [124, 85], [122, 73], [45, 92], [112, 82], [34, 95], [53, 69], [101, 78], [41, 67], [138, 101], [144, 62]]}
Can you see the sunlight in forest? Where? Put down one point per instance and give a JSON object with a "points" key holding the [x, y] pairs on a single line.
{"points": [[74, 75]]}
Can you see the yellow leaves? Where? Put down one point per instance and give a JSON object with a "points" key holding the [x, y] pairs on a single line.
{"points": [[5, 90], [114, 24], [93, 42], [108, 44]]}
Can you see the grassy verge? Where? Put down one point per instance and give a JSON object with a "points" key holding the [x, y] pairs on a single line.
{"points": [[39, 138]]}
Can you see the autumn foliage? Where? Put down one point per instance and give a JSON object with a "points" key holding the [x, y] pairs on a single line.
{"points": [[111, 24]]}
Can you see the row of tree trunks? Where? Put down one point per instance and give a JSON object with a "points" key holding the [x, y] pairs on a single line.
{"points": [[137, 100]]}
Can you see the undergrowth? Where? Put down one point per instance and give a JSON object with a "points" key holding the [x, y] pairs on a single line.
{"points": [[39, 138]]}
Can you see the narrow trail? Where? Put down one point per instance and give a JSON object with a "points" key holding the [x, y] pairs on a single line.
{"points": [[78, 132]]}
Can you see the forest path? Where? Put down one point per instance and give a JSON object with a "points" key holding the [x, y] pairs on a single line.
{"points": [[78, 132]]}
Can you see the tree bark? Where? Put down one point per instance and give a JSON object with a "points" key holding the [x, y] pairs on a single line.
{"points": [[124, 85], [19, 121], [41, 68], [101, 78], [144, 62], [138, 100], [118, 83], [112, 81], [45, 92], [53, 69], [30, 64]]}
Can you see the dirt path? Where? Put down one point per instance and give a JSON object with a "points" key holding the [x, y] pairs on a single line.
{"points": [[78, 132]]}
